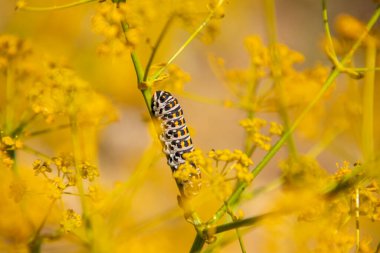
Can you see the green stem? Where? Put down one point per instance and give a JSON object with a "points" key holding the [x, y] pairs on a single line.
{"points": [[197, 244], [79, 181], [47, 130], [241, 243], [9, 92], [368, 102], [238, 224], [138, 68], [55, 7], [327, 29], [145, 90], [35, 243], [187, 42], [22, 125], [237, 231], [35, 152], [357, 215], [276, 70], [366, 69], [156, 46]]}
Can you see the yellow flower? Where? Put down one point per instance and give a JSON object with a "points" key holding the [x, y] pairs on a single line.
{"points": [[20, 4], [70, 221], [253, 127], [243, 173], [349, 27], [13, 48], [17, 189], [189, 178], [40, 166], [62, 92], [276, 129], [302, 171], [220, 155], [7, 140], [88, 171]]}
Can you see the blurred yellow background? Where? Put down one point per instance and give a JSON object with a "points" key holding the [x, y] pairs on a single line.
{"points": [[67, 36]]}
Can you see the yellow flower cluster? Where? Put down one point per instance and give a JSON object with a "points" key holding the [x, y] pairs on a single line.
{"points": [[236, 161], [17, 189], [187, 175], [254, 127], [240, 163], [71, 220], [12, 49], [88, 171], [110, 19], [8, 145], [235, 167], [62, 92], [126, 24], [192, 13], [303, 172], [65, 173], [252, 86], [342, 171], [349, 27], [369, 193], [369, 199]]}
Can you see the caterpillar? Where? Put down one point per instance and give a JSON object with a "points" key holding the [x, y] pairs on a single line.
{"points": [[175, 136]]}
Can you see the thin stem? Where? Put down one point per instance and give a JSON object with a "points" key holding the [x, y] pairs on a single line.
{"points": [[22, 125], [238, 234], [156, 46], [35, 243], [326, 140], [35, 152], [197, 244], [47, 130], [138, 68], [368, 102], [9, 92], [122, 198], [327, 29], [366, 69], [378, 248], [250, 151], [145, 90], [241, 243], [276, 70], [190, 39], [136, 62], [357, 214], [238, 224], [55, 7], [79, 181], [202, 99]]}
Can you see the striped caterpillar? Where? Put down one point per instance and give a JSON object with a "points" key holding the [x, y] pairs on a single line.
{"points": [[175, 136]]}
